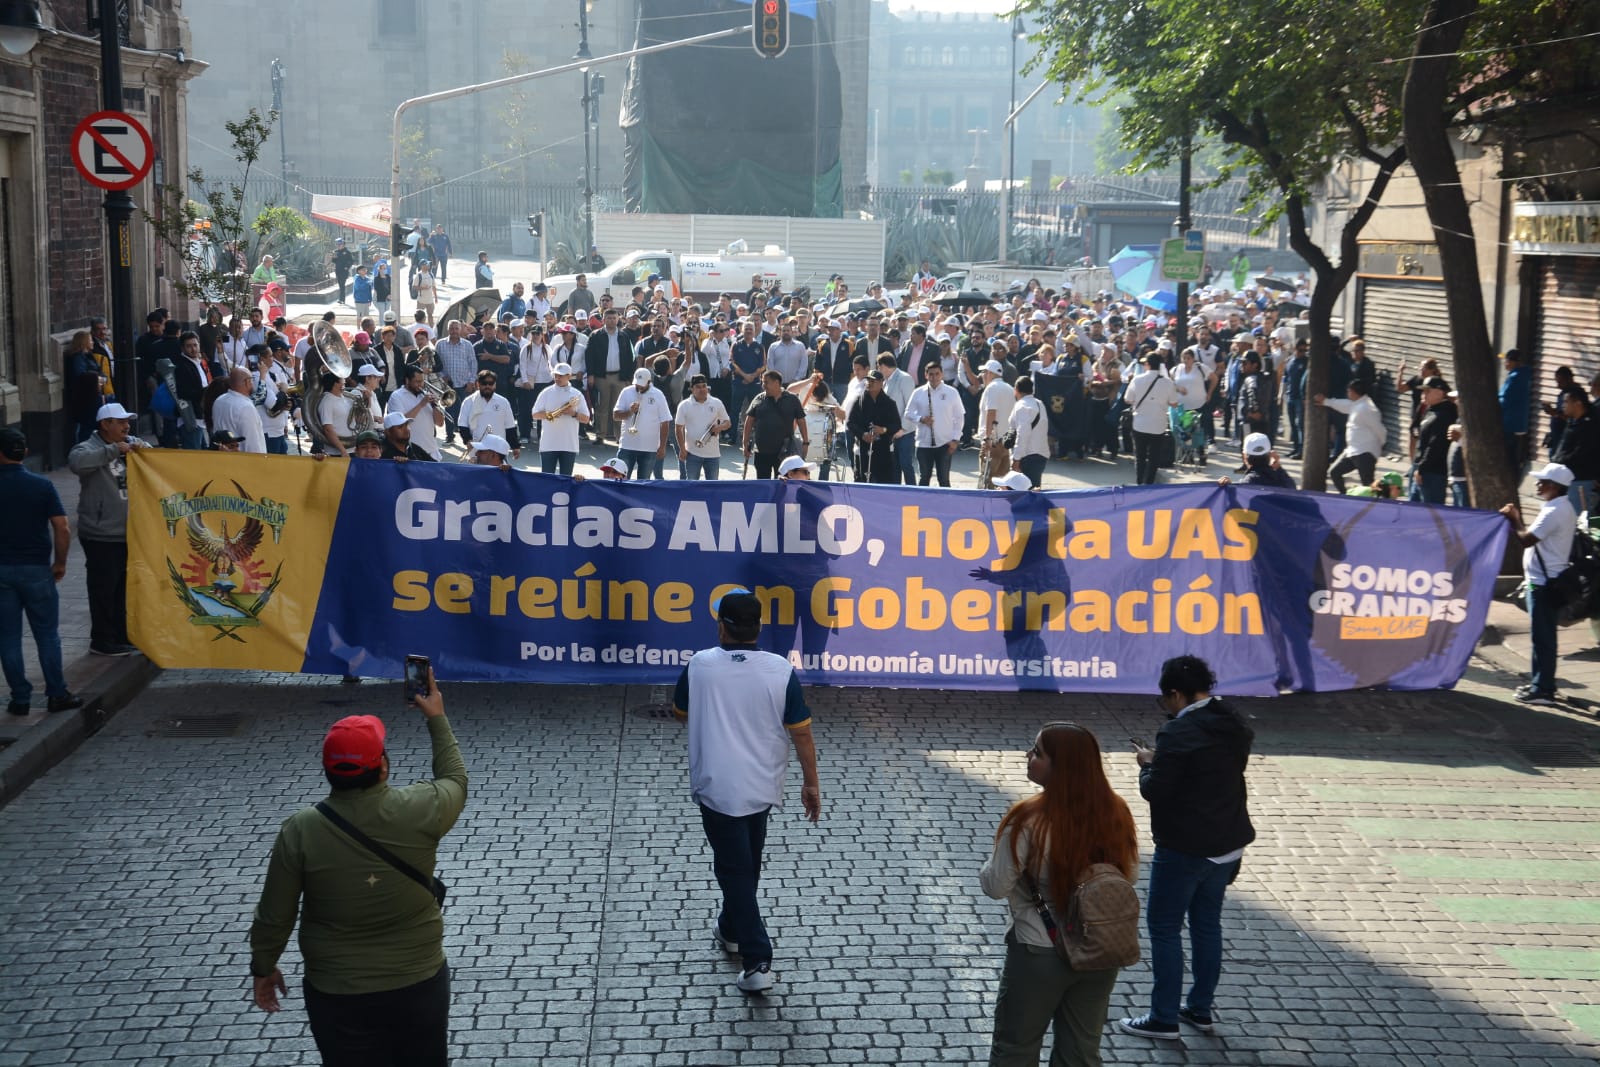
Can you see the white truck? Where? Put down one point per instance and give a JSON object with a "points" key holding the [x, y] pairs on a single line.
{"points": [[728, 270], [1001, 277]]}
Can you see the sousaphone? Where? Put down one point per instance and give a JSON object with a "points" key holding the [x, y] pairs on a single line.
{"points": [[333, 356]]}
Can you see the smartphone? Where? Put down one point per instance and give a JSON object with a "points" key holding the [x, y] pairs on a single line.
{"points": [[1138, 742], [417, 670]]}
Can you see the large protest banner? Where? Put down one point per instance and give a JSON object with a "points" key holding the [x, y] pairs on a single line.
{"points": [[278, 563]]}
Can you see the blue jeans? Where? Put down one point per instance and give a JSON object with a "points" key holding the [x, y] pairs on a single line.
{"points": [[699, 467], [1033, 467], [905, 454], [736, 844], [1183, 885], [30, 589], [557, 462], [1295, 408], [1427, 488], [1542, 632], [278, 446], [1459, 497], [641, 464]]}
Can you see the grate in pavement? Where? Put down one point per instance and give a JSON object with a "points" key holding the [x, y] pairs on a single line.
{"points": [[225, 724], [660, 710], [1557, 754]]}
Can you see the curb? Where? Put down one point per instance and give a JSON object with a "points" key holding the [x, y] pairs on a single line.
{"points": [[41, 747]]}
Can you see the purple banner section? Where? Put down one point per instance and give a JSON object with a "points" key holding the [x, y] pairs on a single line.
{"points": [[509, 576]]}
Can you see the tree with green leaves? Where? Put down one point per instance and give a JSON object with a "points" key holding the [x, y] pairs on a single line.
{"points": [[213, 239], [1280, 90], [1486, 65]]}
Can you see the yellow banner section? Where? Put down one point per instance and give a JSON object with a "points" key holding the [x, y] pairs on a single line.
{"points": [[226, 554]]}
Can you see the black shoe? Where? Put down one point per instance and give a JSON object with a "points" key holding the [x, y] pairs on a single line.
{"points": [[65, 703], [1200, 1020], [350, 679], [112, 650], [17, 709], [1145, 1026], [1295, 455]]}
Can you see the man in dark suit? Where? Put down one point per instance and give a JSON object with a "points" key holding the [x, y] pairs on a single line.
{"points": [[193, 373], [610, 362], [834, 354]]}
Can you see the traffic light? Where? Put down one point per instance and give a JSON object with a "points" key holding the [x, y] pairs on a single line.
{"points": [[770, 29], [536, 224], [397, 239]]}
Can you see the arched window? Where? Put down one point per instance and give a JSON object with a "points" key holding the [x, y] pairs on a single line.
{"points": [[964, 56], [911, 57], [947, 57], [927, 56], [983, 56]]}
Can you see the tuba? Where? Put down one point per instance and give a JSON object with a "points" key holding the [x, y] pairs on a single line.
{"points": [[333, 356], [433, 383]]}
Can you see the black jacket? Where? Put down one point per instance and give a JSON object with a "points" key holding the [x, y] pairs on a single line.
{"points": [[1579, 448], [1195, 784], [1433, 438]]}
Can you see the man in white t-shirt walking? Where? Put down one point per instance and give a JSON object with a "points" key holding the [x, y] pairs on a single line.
{"points": [[1546, 552], [739, 703]]}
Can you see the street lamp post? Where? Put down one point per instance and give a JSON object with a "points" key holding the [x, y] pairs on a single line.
{"points": [[588, 102], [277, 108], [1011, 145]]}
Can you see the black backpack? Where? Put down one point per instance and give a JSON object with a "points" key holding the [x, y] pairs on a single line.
{"points": [[1577, 589]]}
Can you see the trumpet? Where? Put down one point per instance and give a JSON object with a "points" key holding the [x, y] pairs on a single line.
{"points": [[703, 439], [564, 409], [631, 423]]}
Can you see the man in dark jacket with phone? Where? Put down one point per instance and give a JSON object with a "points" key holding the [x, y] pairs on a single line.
{"points": [[1194, 782]]}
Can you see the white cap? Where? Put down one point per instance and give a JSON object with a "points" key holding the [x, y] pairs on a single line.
{"points": [[368, 369], [1014, 480], [490, 442], [1559, 473], [393, 419], [994, 366], [616, 466], [642, 377], [1040, 316], [1164, 345], [112, 410], [564, 369], [1257, 444], [792, 464]]}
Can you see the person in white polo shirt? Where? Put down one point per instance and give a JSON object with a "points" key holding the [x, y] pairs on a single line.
{"points": [[739, 703], [699, 424], [559, 410], [643, 425]]}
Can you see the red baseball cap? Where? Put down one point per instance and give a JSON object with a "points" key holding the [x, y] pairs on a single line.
{"points": [[354, 745]]}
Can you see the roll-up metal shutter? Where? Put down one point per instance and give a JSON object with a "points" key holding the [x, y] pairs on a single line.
{"points": [[1403, 320], [1568, 328]]}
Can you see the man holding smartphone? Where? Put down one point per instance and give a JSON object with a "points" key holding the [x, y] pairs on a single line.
{"points": [[1194, 782], [377, 987]]}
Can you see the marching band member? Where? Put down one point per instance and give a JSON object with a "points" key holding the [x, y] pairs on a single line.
{"points": [[484, 413], [414, 401], [269, 389], [700, 421], [560, 410], [642, 416]]}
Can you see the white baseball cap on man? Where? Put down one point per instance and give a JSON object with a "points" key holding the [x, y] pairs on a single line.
{"points": [[562, 370], [994, 366], [112, 410], [642, 376], [792, 464], [1014, 480], [1257, 444], [393, 419], [490, 442], [1559, 473]]}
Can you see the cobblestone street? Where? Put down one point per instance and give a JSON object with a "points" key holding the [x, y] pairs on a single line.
{"points": [[1423, 890]]}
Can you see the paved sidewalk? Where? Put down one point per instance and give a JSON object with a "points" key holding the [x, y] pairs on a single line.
{"points": [[1424, 890]]}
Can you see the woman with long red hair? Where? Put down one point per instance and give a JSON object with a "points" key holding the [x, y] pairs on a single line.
{"points": [[1051, 838]]}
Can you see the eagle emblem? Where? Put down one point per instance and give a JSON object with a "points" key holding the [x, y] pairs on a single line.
{"points": [[221, 580]]}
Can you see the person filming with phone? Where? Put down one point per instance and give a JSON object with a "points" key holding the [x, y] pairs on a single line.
{"points": [[358, 869]]}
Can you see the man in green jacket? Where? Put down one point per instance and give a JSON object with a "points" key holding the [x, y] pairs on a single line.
{"points": [[377, 987]]}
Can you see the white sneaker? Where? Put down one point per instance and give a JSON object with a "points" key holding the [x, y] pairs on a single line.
{"points": [[756, 980], [728, 945]]}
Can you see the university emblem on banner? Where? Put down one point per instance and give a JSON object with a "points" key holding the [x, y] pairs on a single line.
{"points": [[221, 579]]}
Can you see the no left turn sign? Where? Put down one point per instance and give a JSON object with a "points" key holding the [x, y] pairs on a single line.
{"points": [[112, 150]]}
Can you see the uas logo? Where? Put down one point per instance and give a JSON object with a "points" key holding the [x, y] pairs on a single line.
{"points": [[220, 579]]}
